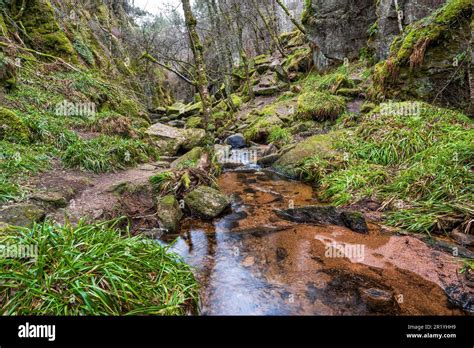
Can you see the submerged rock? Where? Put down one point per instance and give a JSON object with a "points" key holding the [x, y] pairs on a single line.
{"points": [[355, 221], [321, 215], [23, 214], [169, 213], [325, 215], [206, 202], [378, 300]]}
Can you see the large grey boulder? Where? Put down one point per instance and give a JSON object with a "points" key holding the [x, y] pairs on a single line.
{"points": [[171, 139]]}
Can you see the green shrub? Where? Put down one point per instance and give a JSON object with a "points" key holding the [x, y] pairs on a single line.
{"points": [[280, 136]]}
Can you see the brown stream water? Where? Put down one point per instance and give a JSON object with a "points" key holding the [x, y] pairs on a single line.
{"points": [[250, 262]]}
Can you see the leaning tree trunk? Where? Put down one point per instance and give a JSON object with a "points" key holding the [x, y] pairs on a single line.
{"points": [[290, 16], [197, 49]]}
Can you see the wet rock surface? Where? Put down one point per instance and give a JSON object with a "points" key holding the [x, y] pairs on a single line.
{"points": [[325, 215]]}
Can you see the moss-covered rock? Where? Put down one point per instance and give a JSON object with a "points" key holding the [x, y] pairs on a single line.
{"points": [[432, 54], [260, 128], [194, 122], [321, 145], [169, 213], [12, 128], [189, 159], [42, 28], [54, 198], [320, 106], [300, 60], [206, 202], [24, 214]]}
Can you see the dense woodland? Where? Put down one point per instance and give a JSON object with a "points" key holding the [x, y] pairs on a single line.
{"points": [[125, 134]]}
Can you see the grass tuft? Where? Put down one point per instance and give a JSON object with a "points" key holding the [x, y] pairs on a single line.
{"points": [[93, 270]]}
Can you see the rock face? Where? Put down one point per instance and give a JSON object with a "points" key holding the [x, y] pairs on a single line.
{"points": [[169, 213], [206, 202], [339, 29], [430, 61], [388, 24]]}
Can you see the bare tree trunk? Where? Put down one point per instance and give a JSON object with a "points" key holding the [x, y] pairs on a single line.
{"points": [[272, 33], [290, 16], [216, 26], [197, 49]]}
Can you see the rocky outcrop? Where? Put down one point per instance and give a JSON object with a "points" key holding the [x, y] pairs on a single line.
{"points": [[388, 23], [431, 60], [340, 29], [337, 29]]}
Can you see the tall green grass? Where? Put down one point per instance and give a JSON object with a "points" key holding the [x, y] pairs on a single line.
{"points": [[106, 153], [93, 270]]}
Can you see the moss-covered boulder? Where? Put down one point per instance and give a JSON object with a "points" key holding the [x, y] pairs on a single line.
{"points": [[317, 145], [42, 29], [24, 214], [260, 128], [12, 127], [319, 106], [189, 159], [169, 213], [194, 122], [54, 198], [431, 60], [206, 202], [300, 61]]}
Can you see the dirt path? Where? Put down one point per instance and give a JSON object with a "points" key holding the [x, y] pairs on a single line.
{"points": [[93, 195]]}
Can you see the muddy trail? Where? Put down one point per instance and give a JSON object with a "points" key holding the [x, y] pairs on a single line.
{"points": [[251, 262]]}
